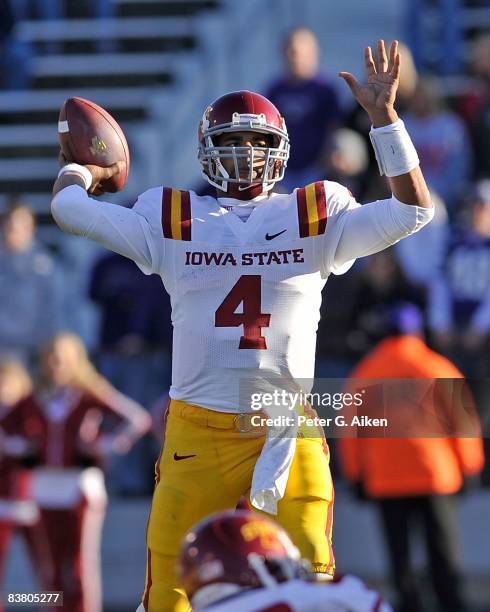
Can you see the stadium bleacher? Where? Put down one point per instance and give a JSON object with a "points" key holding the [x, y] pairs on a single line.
{"points": [[149, 39], [135, 34], [153, 46]]}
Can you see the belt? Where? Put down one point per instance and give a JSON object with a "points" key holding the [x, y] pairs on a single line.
{"points": [[241, 422]]}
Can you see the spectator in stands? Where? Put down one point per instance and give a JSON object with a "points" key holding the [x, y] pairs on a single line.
{"points": [[427, 246], [414, 479], [346, 159], [74, 419], [310, 106], [381, 285], [134, 329], [15, 55], [28, 304], [474, 98], [442, 142], [459, 306], [481, 124], [334, 356], [134, 351]]}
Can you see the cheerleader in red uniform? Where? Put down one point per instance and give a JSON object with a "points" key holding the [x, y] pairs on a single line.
{"points": [[63, 419], [16, 508]]}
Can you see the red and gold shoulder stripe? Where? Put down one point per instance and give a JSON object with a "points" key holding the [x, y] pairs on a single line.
{"points": [[176, 214], [312, 209]]}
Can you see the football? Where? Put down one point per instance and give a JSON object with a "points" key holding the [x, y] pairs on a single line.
{"points": [[88, 134]]}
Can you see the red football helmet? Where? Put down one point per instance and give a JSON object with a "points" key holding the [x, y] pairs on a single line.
{"points": [[235, 550], [243, 111]]}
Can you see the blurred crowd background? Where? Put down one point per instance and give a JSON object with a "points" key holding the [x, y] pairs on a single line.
{"points": [[155, 64]]}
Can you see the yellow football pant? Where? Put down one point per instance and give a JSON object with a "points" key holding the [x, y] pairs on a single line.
{"points": [[206, 465]]}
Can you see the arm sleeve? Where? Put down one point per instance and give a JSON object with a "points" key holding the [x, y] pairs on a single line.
{"points": [[131, 232], [125, 409], [364, 230]]}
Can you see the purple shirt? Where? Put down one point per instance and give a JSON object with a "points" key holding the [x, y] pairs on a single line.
{"points": [[309, 108]]}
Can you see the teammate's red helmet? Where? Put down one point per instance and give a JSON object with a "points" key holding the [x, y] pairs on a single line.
{"points": [[235, 550], [243, 111]]}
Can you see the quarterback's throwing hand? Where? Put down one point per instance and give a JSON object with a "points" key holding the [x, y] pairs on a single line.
{"points": [[99, 175], [377, 96]]}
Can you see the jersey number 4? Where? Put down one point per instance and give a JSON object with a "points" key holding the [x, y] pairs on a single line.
{"points": [[246, 291]]}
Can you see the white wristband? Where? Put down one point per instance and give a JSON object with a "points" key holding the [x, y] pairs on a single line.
{"points": [[81, 170], [394, 149]]}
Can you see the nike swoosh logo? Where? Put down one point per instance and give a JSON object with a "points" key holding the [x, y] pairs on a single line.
{"points": [[272, 236], [180, 457]]}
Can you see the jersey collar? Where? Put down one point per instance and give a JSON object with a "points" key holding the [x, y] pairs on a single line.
{"points": [[244, 231]]}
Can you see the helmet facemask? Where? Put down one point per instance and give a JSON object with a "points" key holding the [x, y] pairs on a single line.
{"points": [[267, 572], [252, 165]]}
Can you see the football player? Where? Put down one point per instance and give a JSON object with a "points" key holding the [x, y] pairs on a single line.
{"points": [[245, 272], [243, 561]]}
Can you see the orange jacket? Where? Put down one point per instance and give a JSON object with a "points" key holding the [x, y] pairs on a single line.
{"points": [[397, 467]]}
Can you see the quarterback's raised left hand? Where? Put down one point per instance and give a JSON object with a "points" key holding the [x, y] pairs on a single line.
{"points": [[377, 96]]}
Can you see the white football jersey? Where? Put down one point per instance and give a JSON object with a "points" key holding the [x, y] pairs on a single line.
{"points": [[350, 594], [245, 294]]}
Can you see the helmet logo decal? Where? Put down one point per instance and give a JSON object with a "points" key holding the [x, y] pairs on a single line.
{"points": [[98, 146], [249, 120], [262, 531]]}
